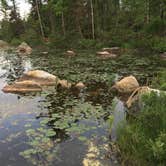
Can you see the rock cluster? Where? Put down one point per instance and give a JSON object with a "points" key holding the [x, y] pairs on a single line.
{"points": [[35, 80], [129, 85], [32, 81]]}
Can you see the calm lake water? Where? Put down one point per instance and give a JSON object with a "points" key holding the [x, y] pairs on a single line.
{"points": [[21, 116]]}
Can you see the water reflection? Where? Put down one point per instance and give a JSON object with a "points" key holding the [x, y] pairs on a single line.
{"points": [[18, 116]]}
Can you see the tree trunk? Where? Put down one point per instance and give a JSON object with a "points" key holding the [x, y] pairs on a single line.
{"points": [[52, 21], [147, 11], [40, 21], [63, 24], [92, 20]]}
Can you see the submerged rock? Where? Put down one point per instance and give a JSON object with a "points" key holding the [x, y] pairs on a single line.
{"points": [[24, 49], [106, 54], [3, 45], [22, 87], [126, 85]]}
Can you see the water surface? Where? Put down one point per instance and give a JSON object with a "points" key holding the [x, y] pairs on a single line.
{"points": [[82, 131]]}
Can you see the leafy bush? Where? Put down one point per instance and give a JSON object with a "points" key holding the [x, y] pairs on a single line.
{"points": [[89, 43], [15, 42], [163, 86], [157, 26], [31, 37], [160, 81], [158, 44], [143, 140]]}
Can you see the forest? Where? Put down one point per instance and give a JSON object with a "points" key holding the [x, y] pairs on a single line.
{"points": [[83, 83], [81, 23]]}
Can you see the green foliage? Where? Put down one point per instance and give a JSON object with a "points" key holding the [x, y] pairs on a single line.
{"points": [[160, 80], [30, 36], [159, 44], [163, 86], [157, 26], [15, 42], [41, 145], [68, 24], [88, 43], [142, 141], [6, 31]]}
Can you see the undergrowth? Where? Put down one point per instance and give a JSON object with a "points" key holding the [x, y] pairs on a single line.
{"points": [[143, 140]]}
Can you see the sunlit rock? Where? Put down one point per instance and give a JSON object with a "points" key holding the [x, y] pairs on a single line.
{"points": [[126, 85], [24, 49], [22, 87], [113, 50], [106, 55], [3, 45], [70, 53], [41, 77], [80, 85], [64, 84], [32, 81], [41, 74], [44, 53], [135, 98]]}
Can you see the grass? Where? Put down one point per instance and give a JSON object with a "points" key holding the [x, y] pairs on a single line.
{"points": [[143, 140]]}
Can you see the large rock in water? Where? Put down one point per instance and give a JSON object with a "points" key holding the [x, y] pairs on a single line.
{"points": [[41, 77], [3, 45], [22, 87], [24, 49], [126, 85], [32, 81]]}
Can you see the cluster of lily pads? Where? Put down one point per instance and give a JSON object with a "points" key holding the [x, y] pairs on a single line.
{"points": [[68, 115]]}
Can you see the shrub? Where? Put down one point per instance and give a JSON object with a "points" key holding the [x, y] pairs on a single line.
{"points": [[156, 26], [160, 81], [89, 44], [158, 44], [31, 37], [15, 42], [143, 140]]}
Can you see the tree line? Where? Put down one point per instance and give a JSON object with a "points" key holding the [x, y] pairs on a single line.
{"points": [[117, 22]]}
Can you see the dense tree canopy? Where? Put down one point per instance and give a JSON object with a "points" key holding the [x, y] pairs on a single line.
{"points": [[117, 22]]}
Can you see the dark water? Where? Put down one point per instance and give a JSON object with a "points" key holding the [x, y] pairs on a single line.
{"points": [[21, 113], [18, 114]]}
